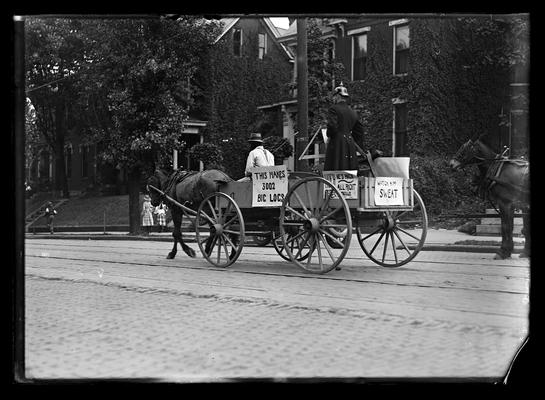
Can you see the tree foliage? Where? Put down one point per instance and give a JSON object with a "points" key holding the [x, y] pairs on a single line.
{"points": [[140, 95]]}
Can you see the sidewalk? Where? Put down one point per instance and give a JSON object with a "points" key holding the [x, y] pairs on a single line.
{"points": [[436, 239]]}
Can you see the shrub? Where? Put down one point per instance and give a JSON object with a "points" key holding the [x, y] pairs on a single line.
{"points": [[442, 190], [209, 153]]}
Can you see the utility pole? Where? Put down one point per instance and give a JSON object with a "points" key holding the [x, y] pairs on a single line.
{"points": [[302, 94]]}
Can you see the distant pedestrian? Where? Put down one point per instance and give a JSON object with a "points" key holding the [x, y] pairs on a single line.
{"points": [[161, 212], [49, 214], [147, 214]]}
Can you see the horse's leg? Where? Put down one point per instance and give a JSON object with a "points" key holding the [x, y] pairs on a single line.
{"points": [[176, 233], [506, 214], [526, 232], [188, 250]]}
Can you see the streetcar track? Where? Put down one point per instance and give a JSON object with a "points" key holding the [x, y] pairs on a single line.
{"points": [[347, 257], [315, 276]]}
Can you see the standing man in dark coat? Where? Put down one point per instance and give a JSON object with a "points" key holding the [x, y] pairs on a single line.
{"points": [[343, 128]]}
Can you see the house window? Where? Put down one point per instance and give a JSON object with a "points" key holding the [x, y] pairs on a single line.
{"points": [[84, 161], [68, 161], [262, 45], [359, 57], [401, 50], [400, 147], [237, 42]]}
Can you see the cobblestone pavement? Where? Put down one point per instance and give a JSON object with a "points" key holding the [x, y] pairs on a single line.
{"points": [[121, 310]]}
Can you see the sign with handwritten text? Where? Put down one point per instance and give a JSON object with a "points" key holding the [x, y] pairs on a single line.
{"points": [[388, 191], [345, 181], [269, 185]]}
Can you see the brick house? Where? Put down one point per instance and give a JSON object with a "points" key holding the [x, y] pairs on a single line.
{"points": [[415, 86]]}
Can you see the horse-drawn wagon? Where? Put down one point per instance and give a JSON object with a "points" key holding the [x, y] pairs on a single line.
{"points": [[311, 217]]}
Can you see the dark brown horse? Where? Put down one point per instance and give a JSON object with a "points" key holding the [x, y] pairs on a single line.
{"points": [[188, 188], [503, 181]]}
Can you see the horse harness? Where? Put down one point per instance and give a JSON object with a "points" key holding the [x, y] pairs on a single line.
{"points": [[175, 178], [492, 176]]}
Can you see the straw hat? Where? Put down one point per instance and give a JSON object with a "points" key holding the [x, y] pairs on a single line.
{"points": [[255, 137], [147, 198]]}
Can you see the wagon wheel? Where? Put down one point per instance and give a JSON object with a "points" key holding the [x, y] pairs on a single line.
{"points": [[295, 244], [221, 241], [307, 217], [398, 237]]}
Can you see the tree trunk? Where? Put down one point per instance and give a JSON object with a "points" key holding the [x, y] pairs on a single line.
{"points": [[61, 181], [133, 178]]}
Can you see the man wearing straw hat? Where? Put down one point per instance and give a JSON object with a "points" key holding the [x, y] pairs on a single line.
{"points": [[258, 156], [343, 128]]}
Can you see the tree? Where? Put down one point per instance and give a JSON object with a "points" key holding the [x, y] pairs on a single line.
{"points": [[136, 94], [54, 55], [32, 137]]}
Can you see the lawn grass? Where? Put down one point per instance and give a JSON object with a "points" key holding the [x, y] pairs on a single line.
{"points": [[109, 210], [85, 211]]}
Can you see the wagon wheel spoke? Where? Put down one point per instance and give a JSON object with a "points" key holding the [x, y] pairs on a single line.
{"points": [[333, 238], [310, 202], [224, 242], [402, 242], [207, 217], [301, 247], [296, 237], [385, 246], [212, 209], [302, 205], [408, 234], [325, 201], [393, 246], [329, 215], [319, 251], [227, 210], [328, 248], [212, 245], [309, 259], [292, 210], [233, 219], [372, 233], [229, 241], [376, 244]]}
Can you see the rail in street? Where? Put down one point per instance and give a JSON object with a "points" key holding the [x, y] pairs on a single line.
{"points": [[119, 309]]}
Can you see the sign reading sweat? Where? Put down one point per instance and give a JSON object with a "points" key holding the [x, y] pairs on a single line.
{"points": [[389, 191], [270, 185], [345, 181]]}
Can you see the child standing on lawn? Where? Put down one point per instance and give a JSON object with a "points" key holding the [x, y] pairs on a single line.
{"points": [[147, 215], [49, 214], [161, 212]]}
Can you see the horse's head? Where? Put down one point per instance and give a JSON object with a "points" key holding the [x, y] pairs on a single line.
{"points": [[156, 180], [464, 156]]}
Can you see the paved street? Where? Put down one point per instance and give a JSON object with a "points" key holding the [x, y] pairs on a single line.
{"points": [[119, 309]]}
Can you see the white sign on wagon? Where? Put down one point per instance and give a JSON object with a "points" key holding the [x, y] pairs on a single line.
{"points": [[388, 191], [345, 181], [269, 185]]}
